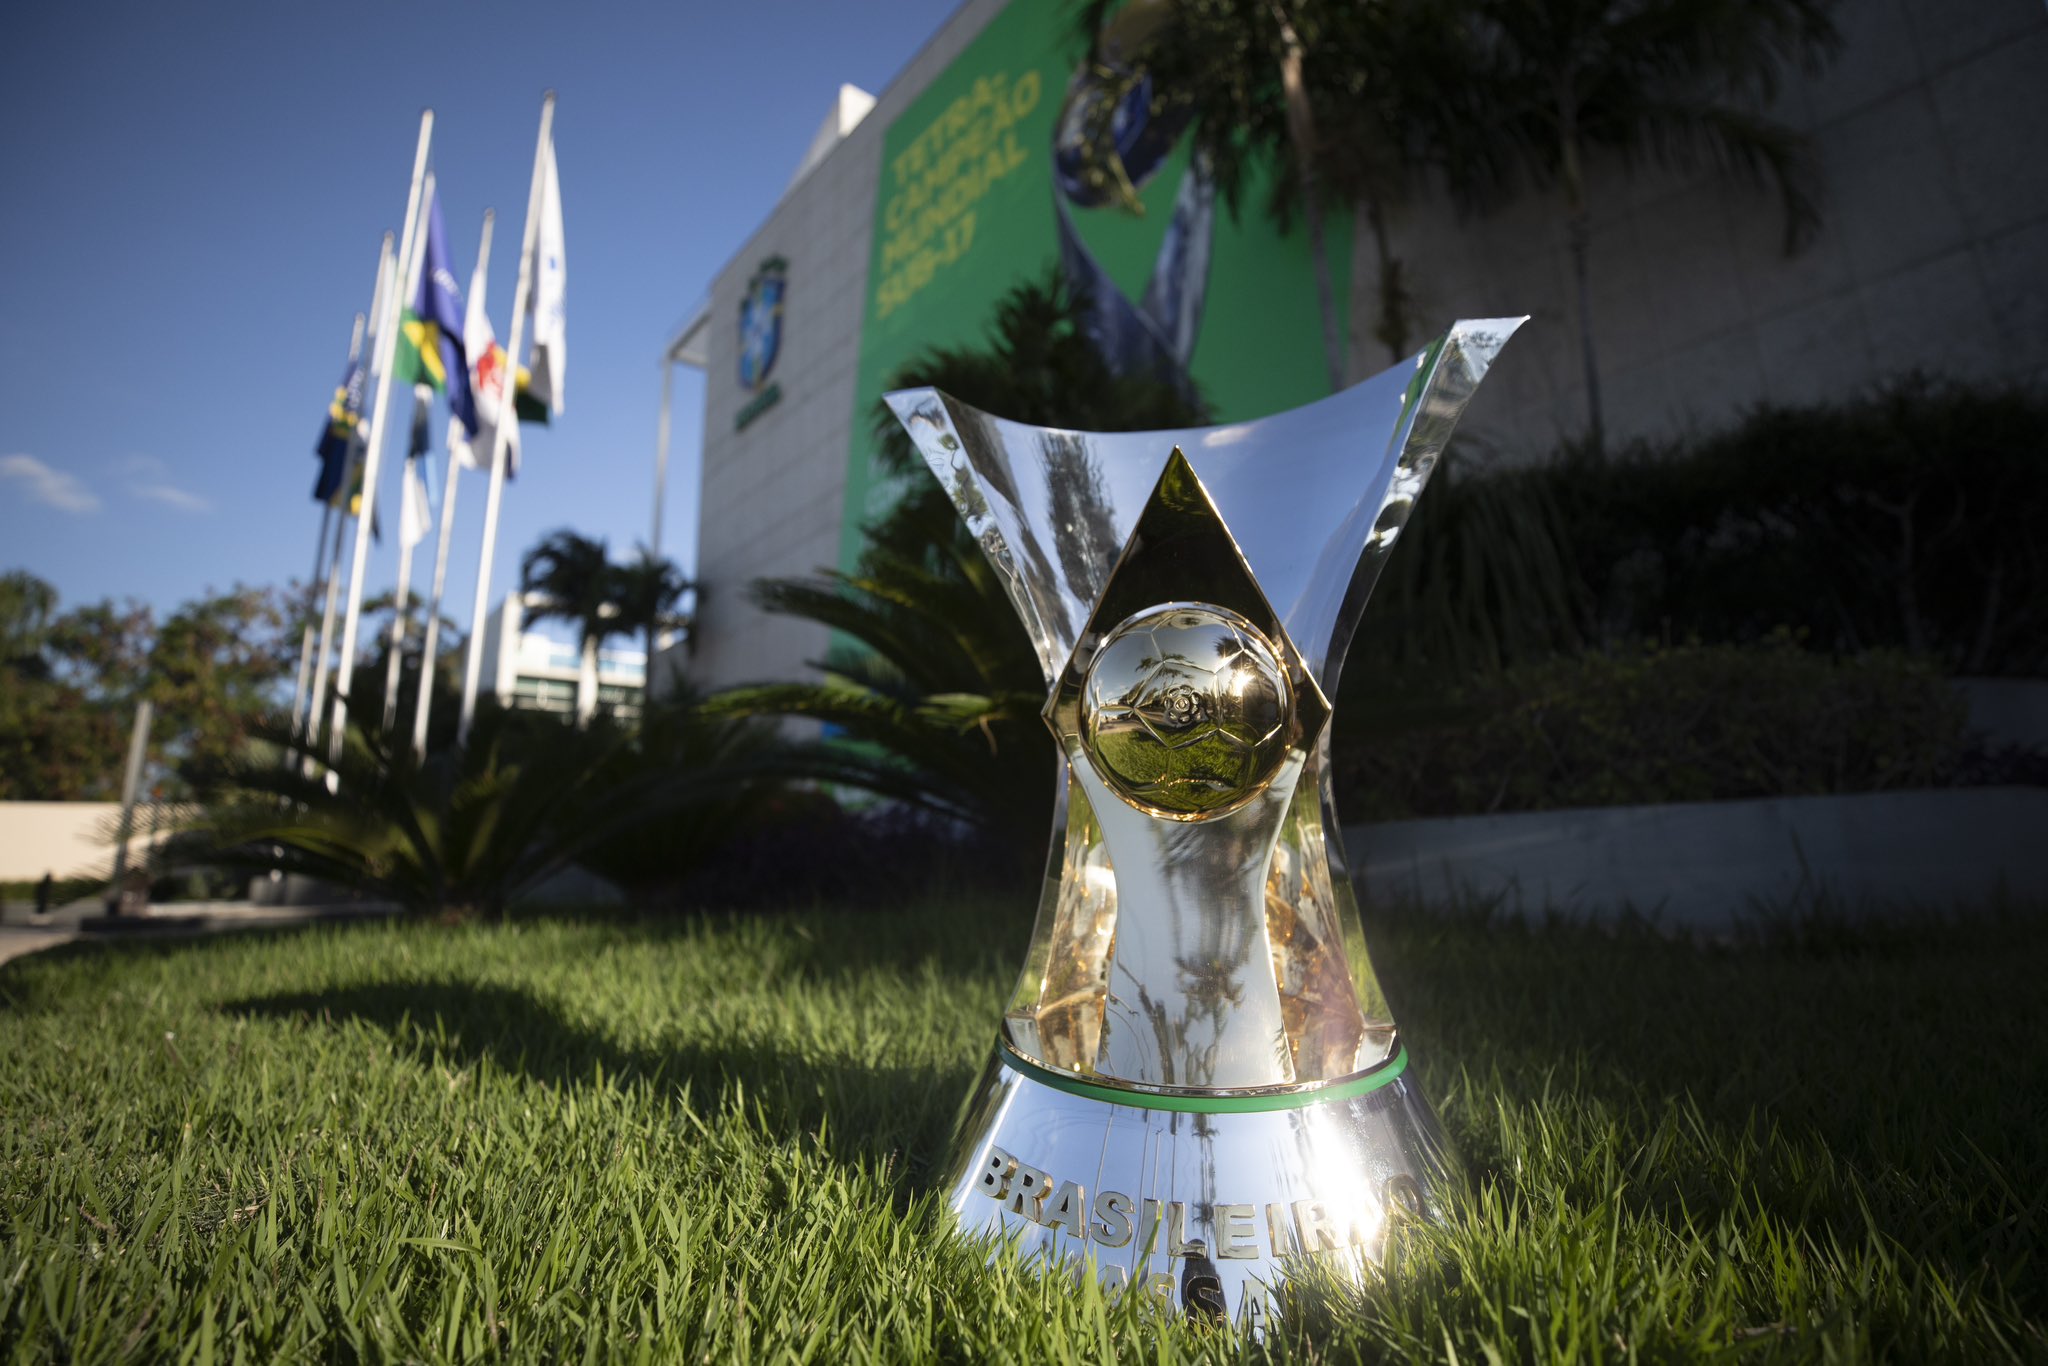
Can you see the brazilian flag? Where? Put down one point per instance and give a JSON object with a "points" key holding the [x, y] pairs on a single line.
{"points": [[430, 349]]}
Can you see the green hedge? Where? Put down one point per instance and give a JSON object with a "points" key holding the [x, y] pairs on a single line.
{"points": [[1662, 724], [1908, 519]]}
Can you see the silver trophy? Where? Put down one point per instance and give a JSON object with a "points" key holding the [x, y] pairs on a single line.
{"points": [[1198, 1086]]}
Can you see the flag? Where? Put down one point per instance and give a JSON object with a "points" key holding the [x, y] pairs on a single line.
{"points": [[487, 383], [430, 349], [338, 436], [540, 397], [422, 414], [350, 500], [415, 517]]}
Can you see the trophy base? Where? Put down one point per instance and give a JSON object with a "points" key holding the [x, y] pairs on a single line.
{"points": [[1205, 1201]]}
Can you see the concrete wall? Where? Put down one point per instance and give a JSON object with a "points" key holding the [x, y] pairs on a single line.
{"points": [[772, 493], [63, 838], [1933, 252], [1701, 865]]}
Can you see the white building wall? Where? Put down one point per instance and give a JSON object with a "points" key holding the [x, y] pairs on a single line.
{"points": [[1933, 254], [1933, 251], [771, 494], [66, 839]]}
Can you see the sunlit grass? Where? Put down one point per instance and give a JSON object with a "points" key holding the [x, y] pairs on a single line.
{"points": [[698, 1139]]}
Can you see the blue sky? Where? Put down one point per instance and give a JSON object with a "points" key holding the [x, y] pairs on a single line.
{"points": [[191, 199]]}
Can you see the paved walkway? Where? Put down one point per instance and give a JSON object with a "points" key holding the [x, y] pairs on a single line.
{"points": [[21, 933]]}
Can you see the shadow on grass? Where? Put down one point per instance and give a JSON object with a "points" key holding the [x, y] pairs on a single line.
{"points": [[894, 1115], [1887, 1074]]}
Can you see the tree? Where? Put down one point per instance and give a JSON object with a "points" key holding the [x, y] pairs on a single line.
{"points": [[26, 606], [935, 682], [212, 670], [55, 742], [1670, 83], [572, 577], [576, 581], [647, 590]]}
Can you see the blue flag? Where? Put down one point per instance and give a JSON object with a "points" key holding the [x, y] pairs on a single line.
{"points": [[338, 436], [430, 349]]}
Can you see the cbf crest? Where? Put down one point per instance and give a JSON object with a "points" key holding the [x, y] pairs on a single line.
{"points": [[761, 323]]}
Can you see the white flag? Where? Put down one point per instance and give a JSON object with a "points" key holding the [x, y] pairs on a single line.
{"points": [[414, 515], [550, 287], [487, 383]]}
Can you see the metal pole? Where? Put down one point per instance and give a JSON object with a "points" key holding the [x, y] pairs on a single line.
{"points": [[138, 744], [661, 436], [474, 661], [403, 592], [424, 702], [322, 564], [668, 377], [316, 704], [306, 635], [387, 337]]}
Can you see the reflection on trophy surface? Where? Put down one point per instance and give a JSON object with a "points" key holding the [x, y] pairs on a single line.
{"points": [[1198, 1081]]}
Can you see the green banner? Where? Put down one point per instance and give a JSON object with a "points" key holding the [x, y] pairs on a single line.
{"points": [[972, 201]]}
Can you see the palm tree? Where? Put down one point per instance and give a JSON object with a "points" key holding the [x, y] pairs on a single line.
{"points": [[573, 580], [935, 681], [647, 590], [1669, 83]]}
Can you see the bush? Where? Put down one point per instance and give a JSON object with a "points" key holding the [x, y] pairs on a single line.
{"points": [[1661, 724], [1905, 520]]}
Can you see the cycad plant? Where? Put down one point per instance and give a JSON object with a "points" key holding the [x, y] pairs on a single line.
{"points": [[931, 690], [461, 834]]}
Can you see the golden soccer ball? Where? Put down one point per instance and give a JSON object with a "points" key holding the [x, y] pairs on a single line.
{"points": [[1185, 711]]}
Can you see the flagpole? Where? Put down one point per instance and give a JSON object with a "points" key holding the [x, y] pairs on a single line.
{"points": [[387, 338], [318, 583], [507, 416], [423, 703], [316, 701], [315, 707], [403, 592], [316, 587], [668, 380], [399, 597]]}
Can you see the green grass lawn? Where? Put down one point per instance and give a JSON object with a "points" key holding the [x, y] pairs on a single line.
{"points": [[715, 1140]]}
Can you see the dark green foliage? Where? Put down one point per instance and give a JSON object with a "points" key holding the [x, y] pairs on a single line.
{"points": [[1910, 519], [704, 781], [1905, 522], [1690, 723], [69, 685], [1483, 575], [932, 678], [63, 890], [718, 1141], [465, 832]]}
